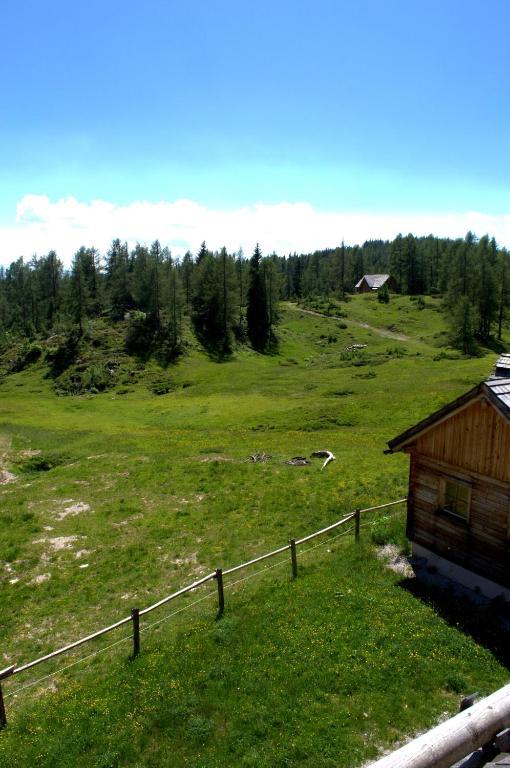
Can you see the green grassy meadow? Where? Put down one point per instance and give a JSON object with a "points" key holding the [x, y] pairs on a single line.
{"points": [[125, 496]]}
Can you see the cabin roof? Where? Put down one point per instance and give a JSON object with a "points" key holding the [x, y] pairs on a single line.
{"points": [[503, 365], [373, 281], [495, 389]]}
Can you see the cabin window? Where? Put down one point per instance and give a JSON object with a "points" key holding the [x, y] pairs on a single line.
{"points": [[455, 498]]}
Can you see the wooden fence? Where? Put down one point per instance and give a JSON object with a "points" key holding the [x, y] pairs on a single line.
{"points": [[217, 575]]}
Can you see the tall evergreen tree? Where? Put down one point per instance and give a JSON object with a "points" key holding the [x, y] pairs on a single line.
{"points": [[202, 253], [81, 286], [503, 289], [186, 270], [206, 311], [256, 311], [117, 279], [142, 275], [486, 286], [272, 291], [241, 284], [398, 265]]}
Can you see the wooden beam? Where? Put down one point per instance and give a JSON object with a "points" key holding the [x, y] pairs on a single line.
{"points": [[454, 739]]}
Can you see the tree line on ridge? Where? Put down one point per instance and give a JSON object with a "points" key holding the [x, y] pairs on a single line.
{"points": [[231, 299]]}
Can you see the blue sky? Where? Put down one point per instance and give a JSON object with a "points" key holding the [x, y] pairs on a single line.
{"points": [[396, 107]]}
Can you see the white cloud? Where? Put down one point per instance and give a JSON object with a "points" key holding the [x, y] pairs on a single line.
{"points": [[284, 227]]}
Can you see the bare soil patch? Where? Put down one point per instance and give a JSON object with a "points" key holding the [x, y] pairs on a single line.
{"points": [[395, 560], [73, 509], [7, 477]]}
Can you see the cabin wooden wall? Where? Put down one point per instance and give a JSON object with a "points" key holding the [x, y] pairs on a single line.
{"points": [[480, 544], [477, 438]]}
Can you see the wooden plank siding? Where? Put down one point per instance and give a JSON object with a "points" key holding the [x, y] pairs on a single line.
{"points": [[482, 542], [477, 439]]}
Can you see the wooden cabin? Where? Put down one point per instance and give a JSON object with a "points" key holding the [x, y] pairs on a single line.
{"points": [[370, 283], [458, 508]]}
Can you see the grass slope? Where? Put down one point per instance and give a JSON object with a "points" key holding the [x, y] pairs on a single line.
{"points": [[151, 492]]}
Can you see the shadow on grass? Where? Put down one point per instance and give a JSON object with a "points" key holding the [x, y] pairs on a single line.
{"points": [[487, 622]]}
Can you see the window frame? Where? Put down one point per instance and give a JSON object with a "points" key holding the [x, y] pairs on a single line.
{"points": [[442, 498]]}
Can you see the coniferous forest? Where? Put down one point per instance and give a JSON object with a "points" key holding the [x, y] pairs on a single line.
{"points": [[231, 299]]}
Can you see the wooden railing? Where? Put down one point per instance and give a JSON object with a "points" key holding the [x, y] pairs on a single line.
{"points": [[457, 737], [217, 575]]}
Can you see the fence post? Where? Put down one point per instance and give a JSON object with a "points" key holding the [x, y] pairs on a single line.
{"points": [[221, 596], [356, 524], [3, 674], [3, 717], [293, 556], [135, 617]]}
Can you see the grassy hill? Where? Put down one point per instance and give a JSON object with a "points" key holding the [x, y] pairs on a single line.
{"points": [[124, 496]]}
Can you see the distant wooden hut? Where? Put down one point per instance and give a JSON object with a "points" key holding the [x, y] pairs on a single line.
{"points": [[369, 283], [458, 508]]}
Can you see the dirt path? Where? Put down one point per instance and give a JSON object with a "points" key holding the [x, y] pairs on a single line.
{"points": [[380, 331]]}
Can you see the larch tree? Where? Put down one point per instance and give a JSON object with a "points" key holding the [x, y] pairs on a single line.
{"points": [[256, 311]]}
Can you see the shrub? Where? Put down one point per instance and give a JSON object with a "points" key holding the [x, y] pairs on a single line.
{"points": [[383, 295], [139, 335], [162, 387], [93, 378], [65, 354], [396, 351], [26, 355]]}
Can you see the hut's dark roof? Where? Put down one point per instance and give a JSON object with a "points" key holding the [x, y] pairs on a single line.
{"points": [[500, 389], [373, 281], [497, 391], [503, 366]]}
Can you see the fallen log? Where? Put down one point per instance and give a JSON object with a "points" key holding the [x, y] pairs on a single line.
{"points": [[258, 458], [327, 454], [298, 461]]}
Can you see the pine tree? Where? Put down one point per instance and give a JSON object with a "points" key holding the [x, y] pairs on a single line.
{"points": [[168, 338], [272, 290], [339, 269], [257, 311], [117, 280], [205, 302], [486, 286], [201, 255], [241, 283], [186, 270], [398, 262], [215, 301], [80, 293], [462, 325], [503, 289], [358, 264], [141, 280]]}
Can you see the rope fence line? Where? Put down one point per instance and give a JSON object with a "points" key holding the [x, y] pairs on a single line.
{"points": [[142, 629], [68, 666], [215, 575], [107, 647]]}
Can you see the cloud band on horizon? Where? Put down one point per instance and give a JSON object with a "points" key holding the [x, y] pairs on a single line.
{"points": [[67, 224]]}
